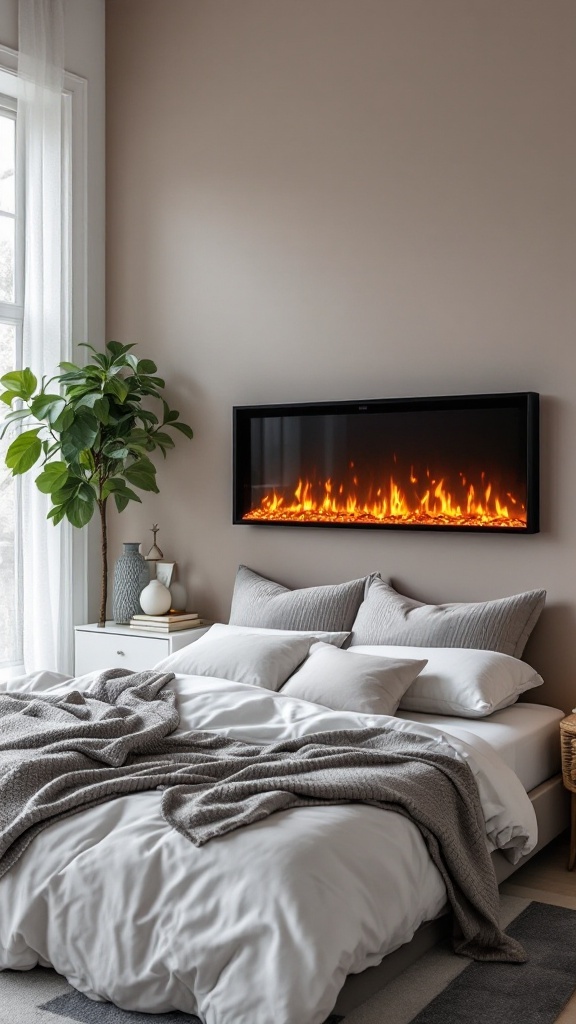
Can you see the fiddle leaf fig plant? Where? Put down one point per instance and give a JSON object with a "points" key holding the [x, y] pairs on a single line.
{"points": [[90, 430]]}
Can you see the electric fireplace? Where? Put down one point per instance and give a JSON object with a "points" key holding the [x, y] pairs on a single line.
{"points": [[467, 462]]}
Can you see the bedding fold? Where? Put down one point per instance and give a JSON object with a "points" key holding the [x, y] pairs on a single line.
{"points": [[60, 754]]}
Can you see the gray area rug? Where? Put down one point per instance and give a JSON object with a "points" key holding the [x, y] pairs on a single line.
{"points": [[530, 993], [486, 993]]}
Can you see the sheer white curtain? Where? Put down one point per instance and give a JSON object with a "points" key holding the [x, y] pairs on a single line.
{"points": [[46, 555]]}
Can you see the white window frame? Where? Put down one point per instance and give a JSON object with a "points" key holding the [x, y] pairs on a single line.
{"points": [[75, 234], [12, 313]]}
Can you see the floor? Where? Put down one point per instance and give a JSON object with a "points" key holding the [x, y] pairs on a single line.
{"points": [[545, 878]]}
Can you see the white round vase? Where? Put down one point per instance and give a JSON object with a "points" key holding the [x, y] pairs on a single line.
{"points": [[155, 599]]}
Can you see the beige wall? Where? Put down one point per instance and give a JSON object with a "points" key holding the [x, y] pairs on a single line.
{"points": [[348, 199]]}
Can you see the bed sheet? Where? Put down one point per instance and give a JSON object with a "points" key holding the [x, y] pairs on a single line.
{"points": [[526, 737], [262, 924]]}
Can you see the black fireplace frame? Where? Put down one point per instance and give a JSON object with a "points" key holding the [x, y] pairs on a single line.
{"points": [[527, 402]]}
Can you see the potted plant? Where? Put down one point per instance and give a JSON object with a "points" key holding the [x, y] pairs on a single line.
{"points": [[92, 431]]}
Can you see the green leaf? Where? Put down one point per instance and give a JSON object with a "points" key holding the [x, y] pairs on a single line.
{"points": [[142, 474], [57, 514], [146, 366], [8, 397], [117, 387], [71, 378], [70, 367], [114, 452], [79, 511], [147, 416], [22, 382], [114, 483], [101, 409], [24, 451], [116, 349], [140, 440], [81, 434], [70, 489], [184, 429], [132, 362], [52, 478], [97, 402], [117, 486], [16, 414], [64, 420], [88, 399], [102, 360], [47, 407], [13, 417], [164, 440], [86, 461], [128, 493], [122, 498], [86, 492], [50, 449]]}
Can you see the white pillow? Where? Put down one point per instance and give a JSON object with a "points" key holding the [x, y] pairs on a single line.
{"points": [[345, 682], [228, 629], [460, 681], [259, 660]]}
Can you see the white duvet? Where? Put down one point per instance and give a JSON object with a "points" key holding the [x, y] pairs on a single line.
{"points": [[259, 926]]}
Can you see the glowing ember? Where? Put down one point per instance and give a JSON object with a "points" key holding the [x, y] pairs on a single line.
{"points": [[435, 505]]}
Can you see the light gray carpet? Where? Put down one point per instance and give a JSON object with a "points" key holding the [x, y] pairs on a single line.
{"points": [[440, 988]]}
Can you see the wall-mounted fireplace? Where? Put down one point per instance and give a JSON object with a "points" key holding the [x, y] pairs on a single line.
{"points": [[467, 462]]}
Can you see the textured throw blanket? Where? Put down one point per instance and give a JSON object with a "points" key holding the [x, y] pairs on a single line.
{"points": [[59, 755]]}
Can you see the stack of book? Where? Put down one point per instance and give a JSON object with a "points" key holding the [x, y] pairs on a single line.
{"points": [[167, 623]]}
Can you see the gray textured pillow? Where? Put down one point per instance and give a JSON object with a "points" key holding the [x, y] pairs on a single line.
{"points": [[259, 660], [257, 601], [345, 681], [387, 617]]}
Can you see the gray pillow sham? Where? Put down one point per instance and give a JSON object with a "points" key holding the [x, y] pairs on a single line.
{"points": [[258, 601], [345, 681], [504, 625], [265, 661]]}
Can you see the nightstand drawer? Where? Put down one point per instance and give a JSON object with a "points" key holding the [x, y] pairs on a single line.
{"points": [[118, 646], [114, 650]]}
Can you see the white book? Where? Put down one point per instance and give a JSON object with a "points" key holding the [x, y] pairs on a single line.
{"points": [[157, 627], [170, 617]]}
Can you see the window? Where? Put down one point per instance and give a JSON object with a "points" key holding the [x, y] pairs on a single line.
{"points": [[11, 315], [43, 574]]}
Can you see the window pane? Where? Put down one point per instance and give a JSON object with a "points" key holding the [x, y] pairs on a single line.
{"points": [[7, 160], [7, 355], [10, 620], [6, 258]]}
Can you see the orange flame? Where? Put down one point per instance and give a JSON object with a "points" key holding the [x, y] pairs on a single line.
{"points": [[390, 505]]}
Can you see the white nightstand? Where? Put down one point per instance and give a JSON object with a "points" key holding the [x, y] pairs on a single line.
{"points": [[121, 646]]}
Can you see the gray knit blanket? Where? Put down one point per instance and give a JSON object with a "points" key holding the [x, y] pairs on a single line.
{"points": [[59, 755]]}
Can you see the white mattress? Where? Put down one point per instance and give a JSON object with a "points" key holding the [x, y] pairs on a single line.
{"points": [[526, 736]]}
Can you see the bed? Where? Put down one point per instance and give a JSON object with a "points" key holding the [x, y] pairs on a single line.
{"points": [[297, 915]]}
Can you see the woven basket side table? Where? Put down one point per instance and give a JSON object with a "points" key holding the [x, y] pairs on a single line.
{"points": [[568, 744]]}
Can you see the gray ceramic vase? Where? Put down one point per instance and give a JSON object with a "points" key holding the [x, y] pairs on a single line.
{"points": [[131, 575]]}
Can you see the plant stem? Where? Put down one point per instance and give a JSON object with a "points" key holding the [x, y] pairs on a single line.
{"points": [[104, 584]]}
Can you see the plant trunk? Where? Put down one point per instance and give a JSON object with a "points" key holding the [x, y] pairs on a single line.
{"points": [[104, 584]]}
